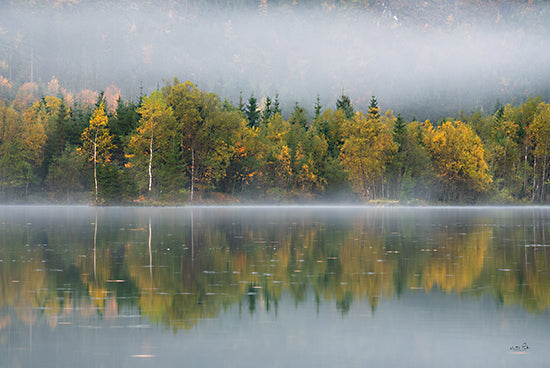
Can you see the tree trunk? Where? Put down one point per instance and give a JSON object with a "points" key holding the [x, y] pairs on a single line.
{"points": [[534, 180], [27, 183], [151, 161], [95, 165]]}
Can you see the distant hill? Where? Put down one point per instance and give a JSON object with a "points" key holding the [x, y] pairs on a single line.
{"points": [[429, 58]]}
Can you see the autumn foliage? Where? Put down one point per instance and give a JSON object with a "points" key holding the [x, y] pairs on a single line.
{"points": [[181, 144]]}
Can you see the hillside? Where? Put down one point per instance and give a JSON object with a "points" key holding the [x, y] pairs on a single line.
{"points": [[428, 59]]}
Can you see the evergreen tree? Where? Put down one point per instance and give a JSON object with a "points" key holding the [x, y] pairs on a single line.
{"points": [[498, 106], [66, 173], [344, 104], [299, 116], [318, 107], [399, 130], [499, 115], [121, 125], [328, 129], [115, 184], [308, 153], [79, 119], [241, 102], [251, 111], [100, 100], [57, 130], [397, 167], [268, 110], [276, 105], [374, 110]]}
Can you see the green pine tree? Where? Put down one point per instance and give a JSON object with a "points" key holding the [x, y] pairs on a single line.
{"points": [[374, 110], [276, 105], [344, 104], [268, 110], [251, 111], [399, 129], [318, 107]]}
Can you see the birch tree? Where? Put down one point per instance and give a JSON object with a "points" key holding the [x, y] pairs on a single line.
{"points": [[367, 148], [97, 141], [185, 100], [539, 133], [152, 134]]}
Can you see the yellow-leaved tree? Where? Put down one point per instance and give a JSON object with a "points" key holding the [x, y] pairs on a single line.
{"points": [[367, 149], [539, 135], [33, 137], [458, 158], [274, 136], [97, 141], [22, 141], [153, 134]]}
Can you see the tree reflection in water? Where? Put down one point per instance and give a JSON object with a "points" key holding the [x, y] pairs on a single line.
{"points": [[179, 266]]}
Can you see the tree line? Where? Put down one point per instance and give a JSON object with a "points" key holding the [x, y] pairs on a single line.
{"points": [[180, 144]]}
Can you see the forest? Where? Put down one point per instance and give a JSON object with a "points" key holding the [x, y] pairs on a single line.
{"points": [[180, 144]]}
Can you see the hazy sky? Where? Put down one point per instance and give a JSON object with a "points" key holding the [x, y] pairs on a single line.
{"points": [[451, 64]]}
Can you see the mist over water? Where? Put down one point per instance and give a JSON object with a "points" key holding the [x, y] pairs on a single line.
{"points": [[350, 287], [454, 60]]}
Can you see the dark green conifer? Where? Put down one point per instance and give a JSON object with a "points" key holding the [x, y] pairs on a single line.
{"points": [[344, 104], [318, 107], [276, 105], [268, 110], [374, 110], [241, 102], [399, 130], [251, 111]]}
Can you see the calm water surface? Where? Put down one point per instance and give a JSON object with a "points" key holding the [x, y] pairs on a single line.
{"points": [[274, 287]]}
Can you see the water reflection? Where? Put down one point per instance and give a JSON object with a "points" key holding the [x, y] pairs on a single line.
{"points": [[175, 267]]}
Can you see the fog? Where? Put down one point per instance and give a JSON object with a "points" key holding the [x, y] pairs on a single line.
{"points": [[419, 64]]}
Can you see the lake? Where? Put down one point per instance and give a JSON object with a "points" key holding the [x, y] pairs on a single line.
{"points": [[274, 287]]}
